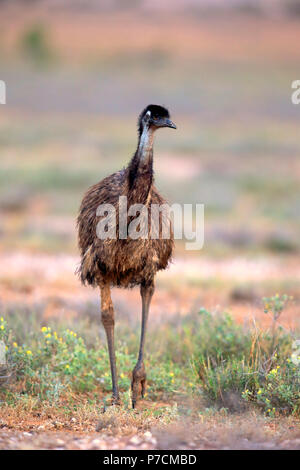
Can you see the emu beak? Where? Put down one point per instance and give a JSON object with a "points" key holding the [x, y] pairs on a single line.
{"points": [[169, 123]]}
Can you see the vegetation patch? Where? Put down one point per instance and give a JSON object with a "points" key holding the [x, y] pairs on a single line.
{"points": [[206, 361]]}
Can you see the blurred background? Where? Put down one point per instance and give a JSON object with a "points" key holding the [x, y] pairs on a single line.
{"points": [[78, 74]]}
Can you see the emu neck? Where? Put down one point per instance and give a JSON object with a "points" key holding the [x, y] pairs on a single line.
{"points": [[141, 168], [145, 147]]}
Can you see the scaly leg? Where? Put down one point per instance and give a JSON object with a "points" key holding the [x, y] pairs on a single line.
{"points": [[139, 373], [108, 320]]}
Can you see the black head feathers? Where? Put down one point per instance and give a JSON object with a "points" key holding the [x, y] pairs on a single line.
{"points": [[156, 112]]}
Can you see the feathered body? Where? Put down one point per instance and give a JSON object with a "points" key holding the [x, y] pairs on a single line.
{"points": [[125, 262]]}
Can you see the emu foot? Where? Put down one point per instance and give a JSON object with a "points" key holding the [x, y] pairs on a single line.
{"points": [[113, 401], [138, 383]]}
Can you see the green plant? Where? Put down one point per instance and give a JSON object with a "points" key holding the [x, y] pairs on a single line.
{"points": [[35, 45], [274, 306], [279, 390], [258, 368]]}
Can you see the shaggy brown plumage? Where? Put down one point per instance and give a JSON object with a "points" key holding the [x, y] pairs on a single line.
{"points": [[125, 262]]}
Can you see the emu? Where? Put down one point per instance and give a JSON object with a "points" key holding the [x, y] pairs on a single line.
{"points": [[106, 263]]}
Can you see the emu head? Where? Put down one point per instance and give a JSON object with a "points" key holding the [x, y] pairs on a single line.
{"points": [[154, 116]]}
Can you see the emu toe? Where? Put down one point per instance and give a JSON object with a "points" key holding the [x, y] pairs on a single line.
{"points": [[138, 383], [113, 401]]}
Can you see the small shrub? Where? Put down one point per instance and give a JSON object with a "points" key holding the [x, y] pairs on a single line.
{"points": [[35, 46], [279, 390], [259, 368], [219, 337], [225, 380]]}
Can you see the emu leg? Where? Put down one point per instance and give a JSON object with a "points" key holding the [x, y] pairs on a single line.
{"points": [[139, 373], [108, 321]]}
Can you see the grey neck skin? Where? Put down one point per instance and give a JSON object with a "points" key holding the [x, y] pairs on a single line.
{"points": [[146, 145], [142, 162]]}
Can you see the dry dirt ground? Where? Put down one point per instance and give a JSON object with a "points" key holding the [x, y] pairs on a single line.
{"points": [[238, 432]]}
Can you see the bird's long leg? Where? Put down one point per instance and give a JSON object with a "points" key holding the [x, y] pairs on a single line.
{"points": [[108, 320], [139, 373]]}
